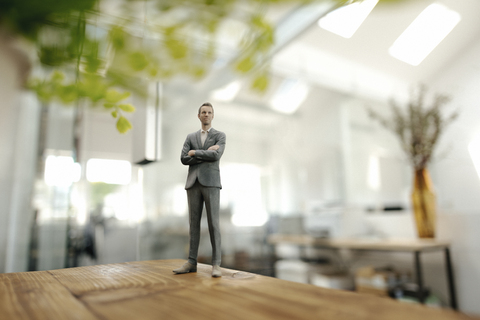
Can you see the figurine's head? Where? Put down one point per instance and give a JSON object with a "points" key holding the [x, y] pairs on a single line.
{"points": [[206, 114]]}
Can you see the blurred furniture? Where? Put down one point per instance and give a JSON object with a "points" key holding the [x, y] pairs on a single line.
{"points": [[415, 246], [149, 290]]}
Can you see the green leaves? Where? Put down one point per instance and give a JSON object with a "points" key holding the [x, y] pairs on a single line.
{"points": [[92, 63], [258, 42], [260, 83], [91, 87], [177, 47], [102, 57], [123, 125], [138, 61], [53, 87], [113, 96], [246, 64], [127, 107], [117, 37], [68, 93]]}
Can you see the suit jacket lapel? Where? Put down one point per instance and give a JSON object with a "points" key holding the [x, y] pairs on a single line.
{"points": [[210, 136], [198, 135]]}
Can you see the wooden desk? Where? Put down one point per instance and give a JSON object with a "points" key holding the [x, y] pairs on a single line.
{"points": [[415, 246], [150, 290]]}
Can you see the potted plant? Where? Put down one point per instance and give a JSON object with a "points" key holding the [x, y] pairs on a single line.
{"points": [[418, 127]]}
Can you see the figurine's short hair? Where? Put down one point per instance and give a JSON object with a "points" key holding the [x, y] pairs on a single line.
{"points": [[206, 104]]}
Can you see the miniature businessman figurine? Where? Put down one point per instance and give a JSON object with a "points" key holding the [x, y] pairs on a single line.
{"points": [[202, 151]]}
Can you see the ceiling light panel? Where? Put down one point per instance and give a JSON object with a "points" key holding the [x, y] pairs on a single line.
{"points": [[289, 96], [346, 20], [227, 93], [424, 34]]}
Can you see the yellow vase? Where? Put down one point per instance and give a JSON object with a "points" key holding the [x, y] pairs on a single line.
{"points": [[423, 200]]}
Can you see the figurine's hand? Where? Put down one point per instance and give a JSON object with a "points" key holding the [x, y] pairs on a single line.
{"points": [[191, 153], [215, 147]]}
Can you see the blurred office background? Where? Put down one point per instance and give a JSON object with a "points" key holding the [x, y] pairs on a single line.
{"points": [[303, 148]]}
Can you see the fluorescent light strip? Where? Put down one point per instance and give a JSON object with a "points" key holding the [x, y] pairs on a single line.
{"points": [[422, 36], [346, 20]]}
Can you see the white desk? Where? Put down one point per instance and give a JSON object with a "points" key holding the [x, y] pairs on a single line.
{"points": [[415, 246]]}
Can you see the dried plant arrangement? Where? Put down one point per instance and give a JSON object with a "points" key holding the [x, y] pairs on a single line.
{"points": [[419, 126]]}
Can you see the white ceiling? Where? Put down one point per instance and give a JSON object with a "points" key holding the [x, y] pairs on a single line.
{"points": [[362, 65]]}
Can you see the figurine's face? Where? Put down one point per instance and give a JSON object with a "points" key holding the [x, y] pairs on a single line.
{"points": [[206, 115]]}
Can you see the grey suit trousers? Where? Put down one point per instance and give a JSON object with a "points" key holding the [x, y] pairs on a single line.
{"points": [[197, 196]]}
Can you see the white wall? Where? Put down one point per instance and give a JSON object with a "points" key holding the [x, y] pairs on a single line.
{"points": [[456, 180], [18, 133]]}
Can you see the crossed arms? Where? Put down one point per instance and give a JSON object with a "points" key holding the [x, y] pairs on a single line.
{"points": [[191, 153], [191, 156]]}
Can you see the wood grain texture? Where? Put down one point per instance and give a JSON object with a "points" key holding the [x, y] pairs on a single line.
{"points": [[37, 295], [150, 290]]}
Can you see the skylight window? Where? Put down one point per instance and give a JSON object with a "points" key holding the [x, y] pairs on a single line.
{"points": [[346, 20], [289, 96], [424, 34], [227, 93]]}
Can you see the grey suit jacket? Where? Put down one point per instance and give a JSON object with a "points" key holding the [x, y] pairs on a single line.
{"points": [[204, 166]]}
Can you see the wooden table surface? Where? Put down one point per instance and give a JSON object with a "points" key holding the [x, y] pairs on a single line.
{"points": [[150, 290], [360, 243]]}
